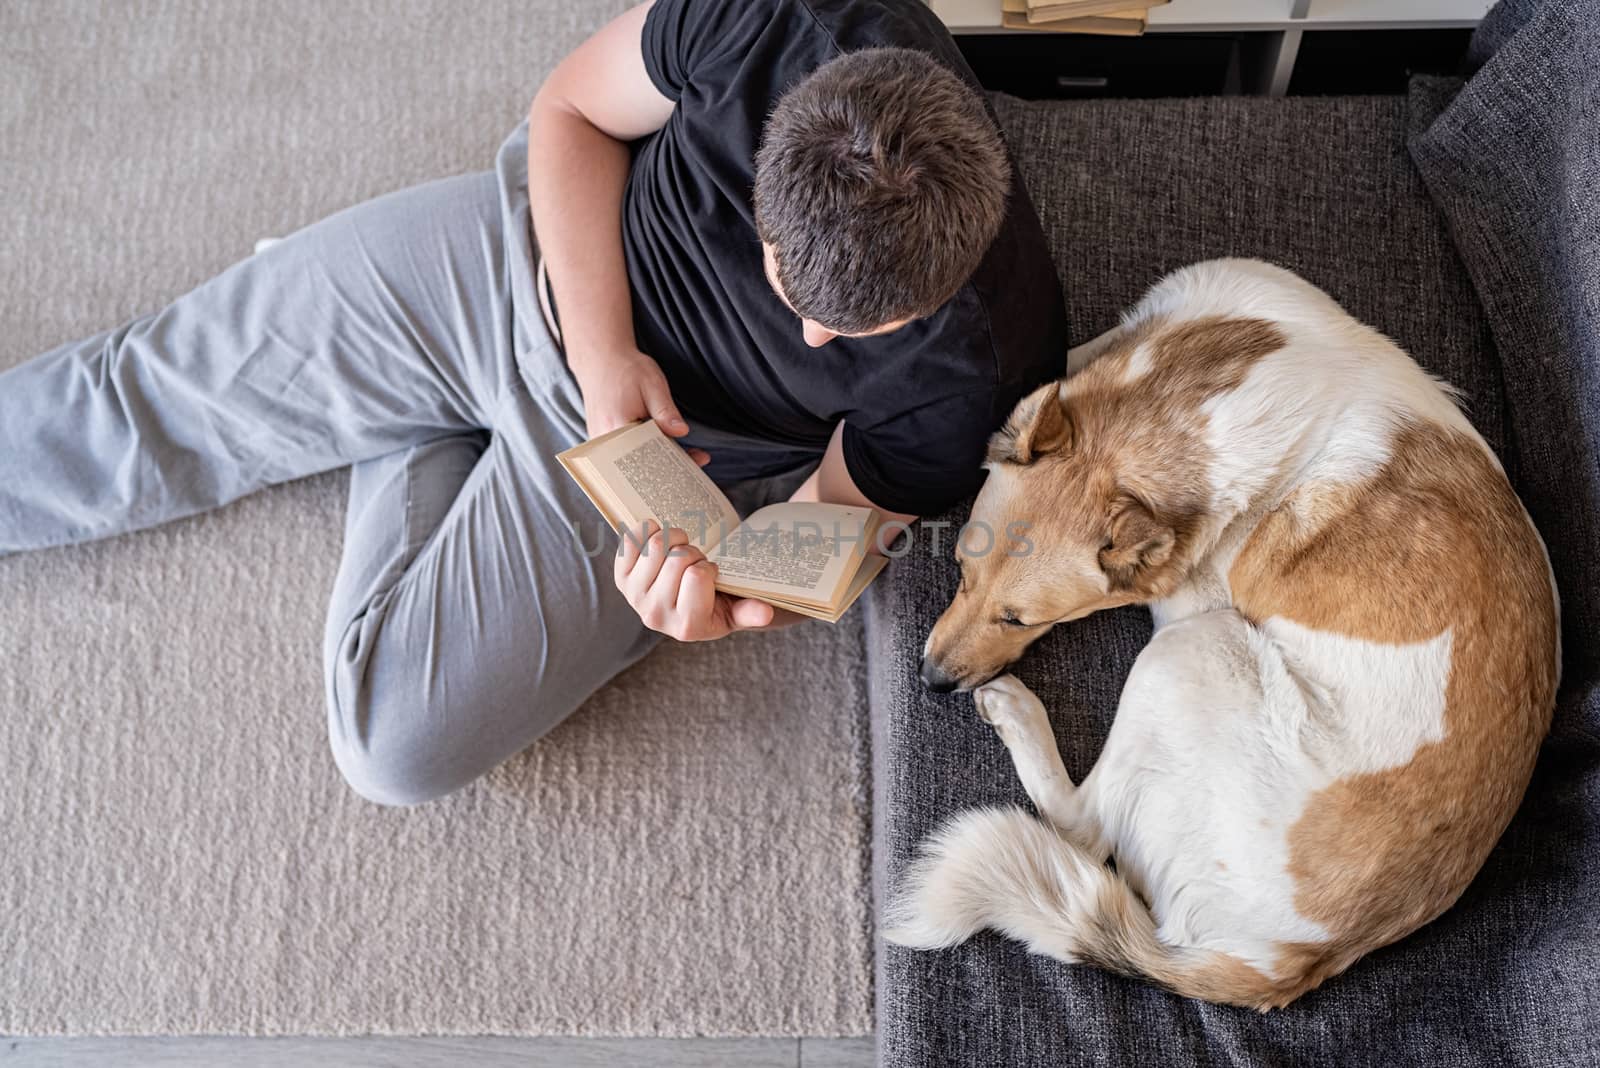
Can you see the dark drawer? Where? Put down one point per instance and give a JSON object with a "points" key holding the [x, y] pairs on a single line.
{"points": [[1040, 66], [1374, 61]]}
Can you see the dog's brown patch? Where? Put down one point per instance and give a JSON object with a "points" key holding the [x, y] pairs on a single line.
{"points": [[1123, 940], [1147, 432], [1189, 362], [1436, 541], [1203, 357]]}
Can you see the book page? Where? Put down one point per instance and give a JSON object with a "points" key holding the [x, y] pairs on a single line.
{"points": [[794, 550], [871, 564], [651, 475]]}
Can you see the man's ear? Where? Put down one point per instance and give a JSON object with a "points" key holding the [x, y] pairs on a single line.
{"points": [[1037, 425], [1137, 545]]}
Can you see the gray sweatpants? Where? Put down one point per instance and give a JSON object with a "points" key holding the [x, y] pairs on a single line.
{"points": [[402, 337]]}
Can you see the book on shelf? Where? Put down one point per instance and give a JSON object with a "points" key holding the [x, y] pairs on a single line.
{"points": [[1104, 25], [804, 556], [1052, 10], [1125, 18]]}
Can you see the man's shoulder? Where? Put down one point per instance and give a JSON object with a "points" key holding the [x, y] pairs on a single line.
{"points": [[1021, 295], [857, 24], [813, 29], [900, 16]]}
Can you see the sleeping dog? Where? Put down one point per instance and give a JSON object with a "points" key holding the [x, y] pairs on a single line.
{"points": [[1354, 663]]}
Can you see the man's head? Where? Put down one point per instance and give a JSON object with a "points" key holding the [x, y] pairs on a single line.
{"points": [[879, 185]]}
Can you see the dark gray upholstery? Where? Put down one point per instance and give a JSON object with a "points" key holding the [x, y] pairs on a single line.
{"points": [[1129, 190], [1513, 162]]}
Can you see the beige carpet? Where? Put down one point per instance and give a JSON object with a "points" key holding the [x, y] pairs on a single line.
{"points": [[177, 852]]}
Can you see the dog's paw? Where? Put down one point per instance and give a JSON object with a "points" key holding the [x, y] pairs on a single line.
{"points": [[1004, 700]]}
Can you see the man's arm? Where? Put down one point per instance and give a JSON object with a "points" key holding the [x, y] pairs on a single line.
{"points": [[599, 98], [596, 100]]}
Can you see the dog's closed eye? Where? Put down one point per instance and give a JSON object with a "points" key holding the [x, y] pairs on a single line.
{"points": [[1009, 618]]}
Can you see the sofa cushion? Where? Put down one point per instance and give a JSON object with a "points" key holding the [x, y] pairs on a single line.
{"points": [[1128, 191]]}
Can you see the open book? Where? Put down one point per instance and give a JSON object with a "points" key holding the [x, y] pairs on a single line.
{"points": [[807, 557]]}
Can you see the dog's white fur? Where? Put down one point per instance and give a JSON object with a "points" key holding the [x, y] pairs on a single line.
{"points": [[1227, 728]]}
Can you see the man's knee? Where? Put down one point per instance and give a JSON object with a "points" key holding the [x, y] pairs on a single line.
{"points": [[391, 775], [381, 752]]}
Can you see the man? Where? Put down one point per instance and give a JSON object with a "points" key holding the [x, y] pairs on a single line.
{"points": [[840, 304]]}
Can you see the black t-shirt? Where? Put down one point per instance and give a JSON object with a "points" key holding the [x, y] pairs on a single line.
{"points": [[918, 404]]}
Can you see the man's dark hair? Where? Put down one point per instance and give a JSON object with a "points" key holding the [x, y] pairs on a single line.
{"points": [[880, 182]]}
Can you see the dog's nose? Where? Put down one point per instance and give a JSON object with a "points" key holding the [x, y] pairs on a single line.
{"points": [[934, 678]]}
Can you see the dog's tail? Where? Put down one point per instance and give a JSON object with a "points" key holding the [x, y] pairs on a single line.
{"points": [[1002, 868]]}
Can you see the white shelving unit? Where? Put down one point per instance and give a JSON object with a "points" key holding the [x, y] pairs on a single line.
{"points": [[983, 16], [1288, 19]]}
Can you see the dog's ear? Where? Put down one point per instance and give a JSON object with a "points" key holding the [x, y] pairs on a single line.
{"points": [[1136, 545], [1039, 424]]}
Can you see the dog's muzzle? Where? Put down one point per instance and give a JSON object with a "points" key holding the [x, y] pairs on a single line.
{"points": [[934, 678]]}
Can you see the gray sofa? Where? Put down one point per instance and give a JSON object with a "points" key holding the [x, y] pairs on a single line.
{"points": [[1328, 187]]}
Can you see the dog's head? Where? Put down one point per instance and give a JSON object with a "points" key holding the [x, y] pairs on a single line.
{"points": [[1060, 529]]}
